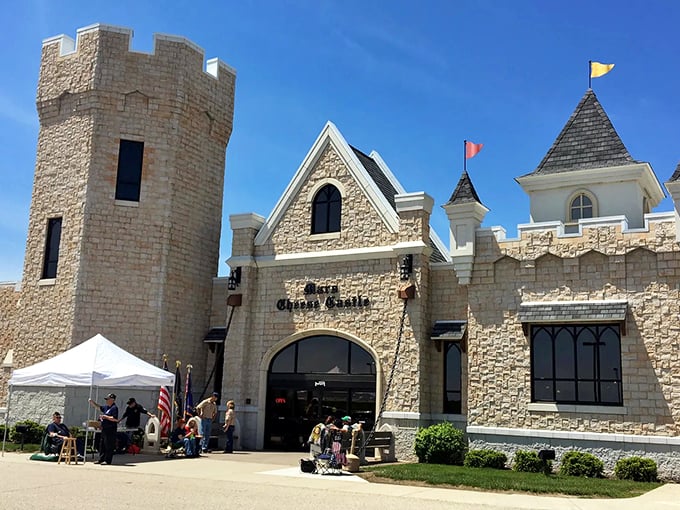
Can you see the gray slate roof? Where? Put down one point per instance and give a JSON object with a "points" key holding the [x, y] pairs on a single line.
{"points": [[389, 191], [588, 140], [464, 192], [573, 311], [451, 330], [215, 335], [676, 174]]}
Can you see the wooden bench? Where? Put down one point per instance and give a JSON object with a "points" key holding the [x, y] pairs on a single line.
{"points": [[380, 441]]}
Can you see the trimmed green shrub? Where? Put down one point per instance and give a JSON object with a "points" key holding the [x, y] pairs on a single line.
{"points": [[485, 459], [528, 462], [33, 435], [77, 431], [638, 469], [581, 464], [441, 444]]}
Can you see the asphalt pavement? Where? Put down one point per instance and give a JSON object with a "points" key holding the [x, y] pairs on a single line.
{"points": [[256, 480]]}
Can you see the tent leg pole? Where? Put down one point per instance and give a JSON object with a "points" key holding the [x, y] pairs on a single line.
{"points": [[89, 407], [4, 435]]}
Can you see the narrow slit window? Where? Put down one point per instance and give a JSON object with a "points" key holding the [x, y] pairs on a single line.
{"points": [[52, 241], [129, 177]]}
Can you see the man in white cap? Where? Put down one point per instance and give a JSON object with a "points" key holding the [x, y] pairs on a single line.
{"points": [[109, 425]]}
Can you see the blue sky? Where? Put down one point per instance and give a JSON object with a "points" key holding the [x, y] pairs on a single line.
{"points": [[408, 79]]}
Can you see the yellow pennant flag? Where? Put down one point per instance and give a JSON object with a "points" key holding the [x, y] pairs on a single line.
{"points": [[597, 69]]}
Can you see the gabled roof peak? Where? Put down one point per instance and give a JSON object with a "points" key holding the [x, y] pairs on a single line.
{"points": [[588, 140], [465, 192]]}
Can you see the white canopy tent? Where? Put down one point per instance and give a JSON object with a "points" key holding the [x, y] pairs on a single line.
{"points": [[94, 363]]}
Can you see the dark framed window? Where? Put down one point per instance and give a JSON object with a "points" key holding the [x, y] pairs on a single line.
{"points": [[326, 210], [52, 248], [581, 207], [129, 177], [576, 364], [453, 397]]}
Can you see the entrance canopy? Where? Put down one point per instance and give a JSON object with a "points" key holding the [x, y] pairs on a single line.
{"points": [[95, 362]]}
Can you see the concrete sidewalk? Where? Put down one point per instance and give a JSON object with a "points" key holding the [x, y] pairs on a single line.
{"points": [[257, 480]]}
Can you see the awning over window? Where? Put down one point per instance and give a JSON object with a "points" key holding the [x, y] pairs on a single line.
{"points": [[215, 336], [449, 330], [572, 311]]}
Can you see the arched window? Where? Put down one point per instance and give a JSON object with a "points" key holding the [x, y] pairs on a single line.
{"points": [[581, 207], [323, 355], [452, 375], [326, 210]]}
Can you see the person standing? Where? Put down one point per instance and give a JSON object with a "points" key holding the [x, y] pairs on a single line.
{"points": [[109, 425], [229, 426], [132, 414], [207, 412]]}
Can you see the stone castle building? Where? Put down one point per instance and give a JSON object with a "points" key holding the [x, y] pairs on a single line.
{"points": [[343, 300]]}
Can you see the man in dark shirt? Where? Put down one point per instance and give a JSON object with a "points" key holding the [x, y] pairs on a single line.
{"points": [[57, 431], [177, 436], [133, 413], [109, 424]]}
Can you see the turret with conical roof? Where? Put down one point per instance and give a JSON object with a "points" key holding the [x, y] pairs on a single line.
{"points": [[588, 172], [466, 213]]}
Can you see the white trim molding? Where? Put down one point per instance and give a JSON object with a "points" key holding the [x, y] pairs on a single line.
{"points": [[573, 435]]}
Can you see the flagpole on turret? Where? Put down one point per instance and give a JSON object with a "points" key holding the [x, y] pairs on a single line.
{"points": [[464, 155]]}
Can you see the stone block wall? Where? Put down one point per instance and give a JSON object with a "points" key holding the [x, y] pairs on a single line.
{"points": [[9, 299], [602, 264], [138, 272]]}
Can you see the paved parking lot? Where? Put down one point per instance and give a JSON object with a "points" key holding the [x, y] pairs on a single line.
{"points": [[254, 480]]}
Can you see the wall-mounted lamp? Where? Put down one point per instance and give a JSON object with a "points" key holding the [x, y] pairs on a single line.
{"points": [[234, 278], [406, 267]]}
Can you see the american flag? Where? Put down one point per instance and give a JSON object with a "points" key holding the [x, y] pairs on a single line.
{"points": [[164, 406]]}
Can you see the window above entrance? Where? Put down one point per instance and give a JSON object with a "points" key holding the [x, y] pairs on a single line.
{"points": [[323, 354]]}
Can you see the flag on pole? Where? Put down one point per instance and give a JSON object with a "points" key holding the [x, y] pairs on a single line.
{"points": [[471, 149], [188, 396], [178, 390], [598, 69], [164, 405]]}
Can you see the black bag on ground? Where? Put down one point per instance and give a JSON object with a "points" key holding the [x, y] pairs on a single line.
{"points": [[307, 466]]}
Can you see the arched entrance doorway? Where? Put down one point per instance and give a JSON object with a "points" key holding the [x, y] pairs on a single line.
{"points": [[312, 378]]}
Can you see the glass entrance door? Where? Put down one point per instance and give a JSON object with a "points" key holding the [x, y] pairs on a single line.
{"points": [[304, 388]]}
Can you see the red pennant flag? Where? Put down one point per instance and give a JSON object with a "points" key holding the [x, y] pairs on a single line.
{"points": [[471, 149]]}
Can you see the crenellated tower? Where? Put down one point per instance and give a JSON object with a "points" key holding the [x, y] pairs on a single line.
{"points": [[126, 210]]}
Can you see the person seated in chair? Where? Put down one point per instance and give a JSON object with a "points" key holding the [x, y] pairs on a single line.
{"points": [[56, 432], [191, 438], [177, 435]]}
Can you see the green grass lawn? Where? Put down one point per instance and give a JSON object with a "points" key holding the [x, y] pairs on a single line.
{"points": [[16, 447], [507, 480]]}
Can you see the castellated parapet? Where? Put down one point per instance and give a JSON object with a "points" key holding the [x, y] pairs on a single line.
{"points": [[139, 272]]}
